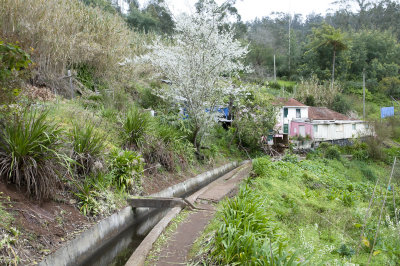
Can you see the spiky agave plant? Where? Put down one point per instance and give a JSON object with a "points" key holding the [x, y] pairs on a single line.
{"points": [[29, 153]]}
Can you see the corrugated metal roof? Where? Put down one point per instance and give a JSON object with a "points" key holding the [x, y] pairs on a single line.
{"points": [[323, 113]]}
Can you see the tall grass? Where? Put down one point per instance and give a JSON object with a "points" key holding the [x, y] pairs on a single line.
{"points": [[66, 33], [29, 155]]}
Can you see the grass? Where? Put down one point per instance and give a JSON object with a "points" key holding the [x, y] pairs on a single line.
{"points": [[286, 83], [314, 210]]}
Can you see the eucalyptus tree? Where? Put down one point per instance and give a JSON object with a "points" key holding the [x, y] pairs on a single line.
{"points": [[200, 63]]}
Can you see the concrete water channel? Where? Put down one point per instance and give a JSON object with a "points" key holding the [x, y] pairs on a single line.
{"points": [[114, 239]]}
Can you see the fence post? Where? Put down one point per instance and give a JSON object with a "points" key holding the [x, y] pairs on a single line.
{"points": [[70, 83]]}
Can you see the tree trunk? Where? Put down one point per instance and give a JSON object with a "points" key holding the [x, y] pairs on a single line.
{"points": [[195, 135], [333, 68]]}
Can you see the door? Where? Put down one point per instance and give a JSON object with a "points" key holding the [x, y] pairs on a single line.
{"points": [[302, 131]]}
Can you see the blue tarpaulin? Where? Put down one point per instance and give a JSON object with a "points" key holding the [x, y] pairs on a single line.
{"points": [[222, 110], [387, 111]]}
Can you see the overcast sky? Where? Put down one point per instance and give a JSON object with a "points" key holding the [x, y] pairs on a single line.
{"points": [[250, 9]]}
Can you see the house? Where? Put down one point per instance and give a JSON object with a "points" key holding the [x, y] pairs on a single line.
{"points": [[290, 110], [318, 124]]}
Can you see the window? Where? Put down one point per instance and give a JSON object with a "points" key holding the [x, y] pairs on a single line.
{"points": [[298, 113], [354, 126], [285, 112], [285, 128], [339, 127], [315, 127]]}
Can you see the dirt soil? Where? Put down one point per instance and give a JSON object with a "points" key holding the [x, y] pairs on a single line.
{"points": [[43, 226]]}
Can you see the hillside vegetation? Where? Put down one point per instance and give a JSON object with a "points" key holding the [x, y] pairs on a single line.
{"points": [[309, 212]]}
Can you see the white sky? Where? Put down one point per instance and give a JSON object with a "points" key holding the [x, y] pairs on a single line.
{"points": [[250, 9]]}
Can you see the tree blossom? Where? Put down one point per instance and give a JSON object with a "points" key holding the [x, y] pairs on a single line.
{"points": [[200, 63]]}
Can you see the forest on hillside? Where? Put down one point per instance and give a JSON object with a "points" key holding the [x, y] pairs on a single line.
{"points": [[366, 39], [338, 47]]}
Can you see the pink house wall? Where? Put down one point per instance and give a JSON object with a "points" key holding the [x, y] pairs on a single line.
{"points": [[295, 125]]}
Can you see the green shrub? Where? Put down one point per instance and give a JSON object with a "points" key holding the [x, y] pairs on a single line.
{"points": [[155, 151], [94, 195], [310, 100], [261, 166], [313, 155], [345, 251], [167, 145], [375, 149], [361, 155], [168, 134], [274, 85], [29, 155], [13, 63], [88, 147], [290, 157], [135, 125], [323, 146], [108, 113], [391, 153], [332, 152], [86, 194], [368, 173], [127, 169], [341, 104], [347, 198]]}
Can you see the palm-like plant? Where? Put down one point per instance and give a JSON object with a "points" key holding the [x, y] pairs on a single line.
{"points": [[330, 37]]}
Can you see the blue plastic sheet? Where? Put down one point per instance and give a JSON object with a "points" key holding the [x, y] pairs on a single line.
{"points": [[387, 111]]}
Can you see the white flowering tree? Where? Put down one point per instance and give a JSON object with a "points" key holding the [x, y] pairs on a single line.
{"points": [[200, 64]]}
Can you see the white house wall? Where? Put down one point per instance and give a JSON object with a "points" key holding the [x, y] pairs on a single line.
{"points": [[334, 131], [291, 115]]}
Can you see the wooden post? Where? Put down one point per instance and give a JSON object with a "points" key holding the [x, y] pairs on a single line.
{"points": [[274, 69], [290, 17], [364, 94], [70, 83]]}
